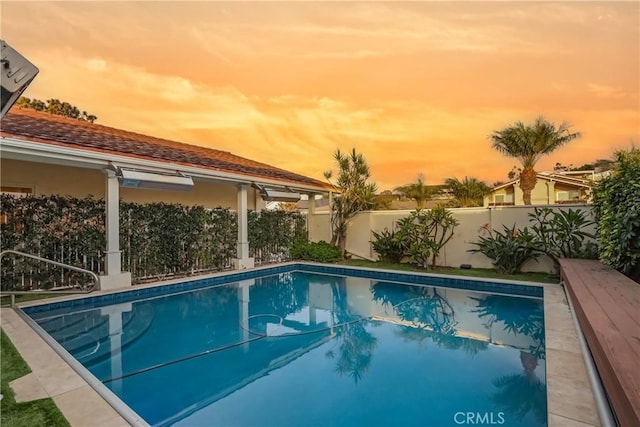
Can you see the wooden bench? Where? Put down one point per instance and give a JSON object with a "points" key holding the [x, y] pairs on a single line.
{"points": [[607, 307]]}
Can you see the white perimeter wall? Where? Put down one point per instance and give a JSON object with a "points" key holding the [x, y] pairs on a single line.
{"points": [[455, 253]]}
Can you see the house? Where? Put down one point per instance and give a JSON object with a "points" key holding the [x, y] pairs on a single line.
{"points": [[44, 154], [551, 188], [321, 205]]}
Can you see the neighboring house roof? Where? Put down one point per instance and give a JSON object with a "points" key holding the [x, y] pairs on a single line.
{"points": [[551, 176], [44, 128]]}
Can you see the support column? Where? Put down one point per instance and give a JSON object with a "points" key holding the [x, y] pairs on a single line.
{"points": [[259, 202], [551, 192], [114, 314], [518, 195], [330, 216], [112, 222], [311, 211], [243, 261], [243, 308], [114, 277], [313, 318]]}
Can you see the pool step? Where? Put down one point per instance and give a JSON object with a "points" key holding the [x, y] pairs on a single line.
{"points": [[63, 325], [86, 335], [95, 348], [88, 324]]}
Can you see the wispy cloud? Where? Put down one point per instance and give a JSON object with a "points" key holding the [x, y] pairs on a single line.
{"points": [[415, 86], [604, 91]]}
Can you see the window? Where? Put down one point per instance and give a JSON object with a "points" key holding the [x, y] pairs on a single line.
{"points": [[503, 198], [564, 196], [17, 191]]}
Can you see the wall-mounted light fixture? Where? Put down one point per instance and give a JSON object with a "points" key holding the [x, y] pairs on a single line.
{"points": [[277, 194], [137, 178]]}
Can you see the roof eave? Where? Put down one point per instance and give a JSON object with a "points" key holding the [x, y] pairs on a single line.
{"points": [[570, 181], [20, 149]]}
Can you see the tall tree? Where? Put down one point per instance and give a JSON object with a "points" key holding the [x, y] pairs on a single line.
{"points": [[599, 165], [418, 191], [514, 172], [356, 193], [35, 104], [23, 102], [616, 204], [88, 117], [528, 143], [62, 108], [468, 192], [57, 107]]}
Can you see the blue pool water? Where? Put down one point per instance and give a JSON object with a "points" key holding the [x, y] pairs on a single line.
{"points": [[309, 349]]}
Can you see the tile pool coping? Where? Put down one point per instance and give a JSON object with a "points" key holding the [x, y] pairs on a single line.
{"points": [[569, 393], [192, 283]]}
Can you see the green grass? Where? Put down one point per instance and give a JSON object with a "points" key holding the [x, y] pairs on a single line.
{"points": [[6, 299], [473, 272], [42, 412]]}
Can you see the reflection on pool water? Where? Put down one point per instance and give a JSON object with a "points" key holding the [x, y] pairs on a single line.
{"points": [[306, 349]]}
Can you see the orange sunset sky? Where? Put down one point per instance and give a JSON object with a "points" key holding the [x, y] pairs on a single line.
{"points": [[417, 87]]}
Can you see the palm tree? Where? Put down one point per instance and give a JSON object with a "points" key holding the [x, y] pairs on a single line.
{"points": [[528, 143], [524, 317], [521, 393], [468, 192], [418, 191]]}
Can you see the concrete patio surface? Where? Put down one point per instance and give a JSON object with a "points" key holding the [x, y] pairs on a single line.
{"points": [[52, 377]]}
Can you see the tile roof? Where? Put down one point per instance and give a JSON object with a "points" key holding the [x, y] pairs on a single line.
{"points": [[50, 129]]}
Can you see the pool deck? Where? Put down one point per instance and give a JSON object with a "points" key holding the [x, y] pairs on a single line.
{"points": [[570, 397], [607, 304], [52, 377], [571, 401]]}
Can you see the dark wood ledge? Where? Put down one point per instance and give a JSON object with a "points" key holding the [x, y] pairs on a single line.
{"points": [[607, 307]]}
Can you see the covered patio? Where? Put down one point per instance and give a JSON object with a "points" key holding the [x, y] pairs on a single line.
{"points": [[44, 154]]}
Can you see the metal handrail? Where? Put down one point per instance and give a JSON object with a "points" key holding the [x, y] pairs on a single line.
{"points": [[83, 290]]}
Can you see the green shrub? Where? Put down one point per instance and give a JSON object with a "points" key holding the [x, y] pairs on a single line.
{"points": [[413, 236], [156, 239], [273, 233], [509, 250], [388, 246], [554, 233], [561, 234], [616, 204], [423, 234], [316, 251]]}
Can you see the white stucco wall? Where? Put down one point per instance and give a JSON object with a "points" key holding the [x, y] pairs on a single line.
{"points": [[456, 252], [320, 227], [48, 179]]}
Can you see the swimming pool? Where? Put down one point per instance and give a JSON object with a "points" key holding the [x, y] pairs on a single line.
{"points": [[313, 345]]}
